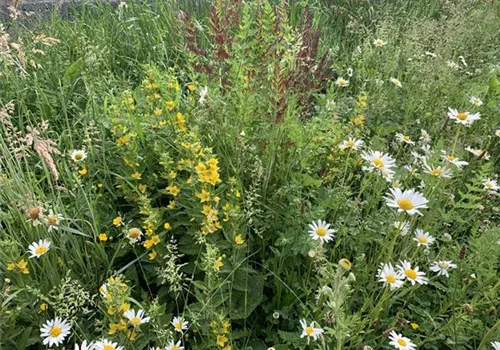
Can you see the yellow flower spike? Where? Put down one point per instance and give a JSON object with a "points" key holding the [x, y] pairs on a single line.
{"points": [[189, 180], [221, 340], [117, 221], [136, 176], [111, 310], [414, 325], [153, 255], [173, 190], [82, 172], [191, 87], [237, 194], [123, 140], [142, 188], [204, 196], [218, 263], [103, 237], [172, 174], [11, 266], [225, 326], [157, 112], [170, 105], [239, 240], [171, 205], [124, 307]]}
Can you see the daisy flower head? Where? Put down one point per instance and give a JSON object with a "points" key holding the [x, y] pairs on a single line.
{"points": [[423, 238], [442, 267], [84, 346], [495, 345], [351, 143], [412, 274], [342, 82], [400, 342], [321, 231], [478, 152], [55, 331], [409, 201], [395, 82], [310, 331], [379, 42], [78, 155], [174, 346], [390, 277], [136, 318], [497, 133], [38, 249], [402, 226], [464, 118], [134, 235], [491, 185], [450, 158], [378, 161], [476, 101], [105, 344], [438, 171], [424, 136], [53, 220], [179, 324], [404, 138]]}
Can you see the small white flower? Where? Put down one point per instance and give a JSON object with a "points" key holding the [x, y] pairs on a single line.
{"points": [[447, 236], [425, 137], [495, 345], [409, 201], [400, 342], [453, 160], [174, 346], [105, 344], [310, 331], [342, 82], [379, 161], [203, 95], [464, 118], [478, 152], [403, 227], [379, 42], [78, 155], [53, 220], [136, 319], [412, 275], [476, 101], [439, 171], [423, 238], [321, 231], [351, 143], [390, 277], [491, 185], [55, 331], [395, 82], [84, 346], [38, 249], [442, 267], [404, 138], [179, 324]]}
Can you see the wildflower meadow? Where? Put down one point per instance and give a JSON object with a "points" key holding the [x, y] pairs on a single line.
{"points": [[251, 175]]}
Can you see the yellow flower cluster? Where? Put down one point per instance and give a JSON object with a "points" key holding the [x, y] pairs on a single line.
{"points": [[21, 266], [221, 331]]}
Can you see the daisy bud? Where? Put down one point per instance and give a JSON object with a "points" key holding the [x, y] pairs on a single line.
{"points": [[468, 308], [276, 315], [345, 264], [7, 281], [351, 277]]}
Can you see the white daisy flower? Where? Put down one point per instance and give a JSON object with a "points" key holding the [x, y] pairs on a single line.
{"points": [[426, 148], [464, 118], [55, 331], [402, 226], [342, 82], [438, 171], [379, 42], [495, 345], [395, 82], [134, 235], [179, 324], [84, 346], [310, 331], [478, 152], [423, 238], [78, 155], [412, 275], [53, 220], [424, 136], [390, 277], [321, 231], [379, 161], [409, 201], [497, 133], [490, 184], [38, 249], [400, 342], [174, 346], [105, 344], [203, 95], [388, 175], [351, 143], [442, 267], [404, 138], [476, 101], [453, 160], [136, 319]]}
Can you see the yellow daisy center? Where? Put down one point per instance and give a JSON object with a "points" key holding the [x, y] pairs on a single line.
{"points": [[390, 279], [134, 233], [436, 172], [175, 347], [108, 347], [405, 204], [443, 265], [395, 82], [476, 100], [462, 116], [178, 325], [341, 82], [350, 143], [40, 250], [422, 239], [309, 331], [450, 158], [135, 321], [410, 273], [401, 342], [378, 42], [406, 138], [320, 231], [78, 156], [52, 220], [55, 331], [379, 163], [489, 184]]}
